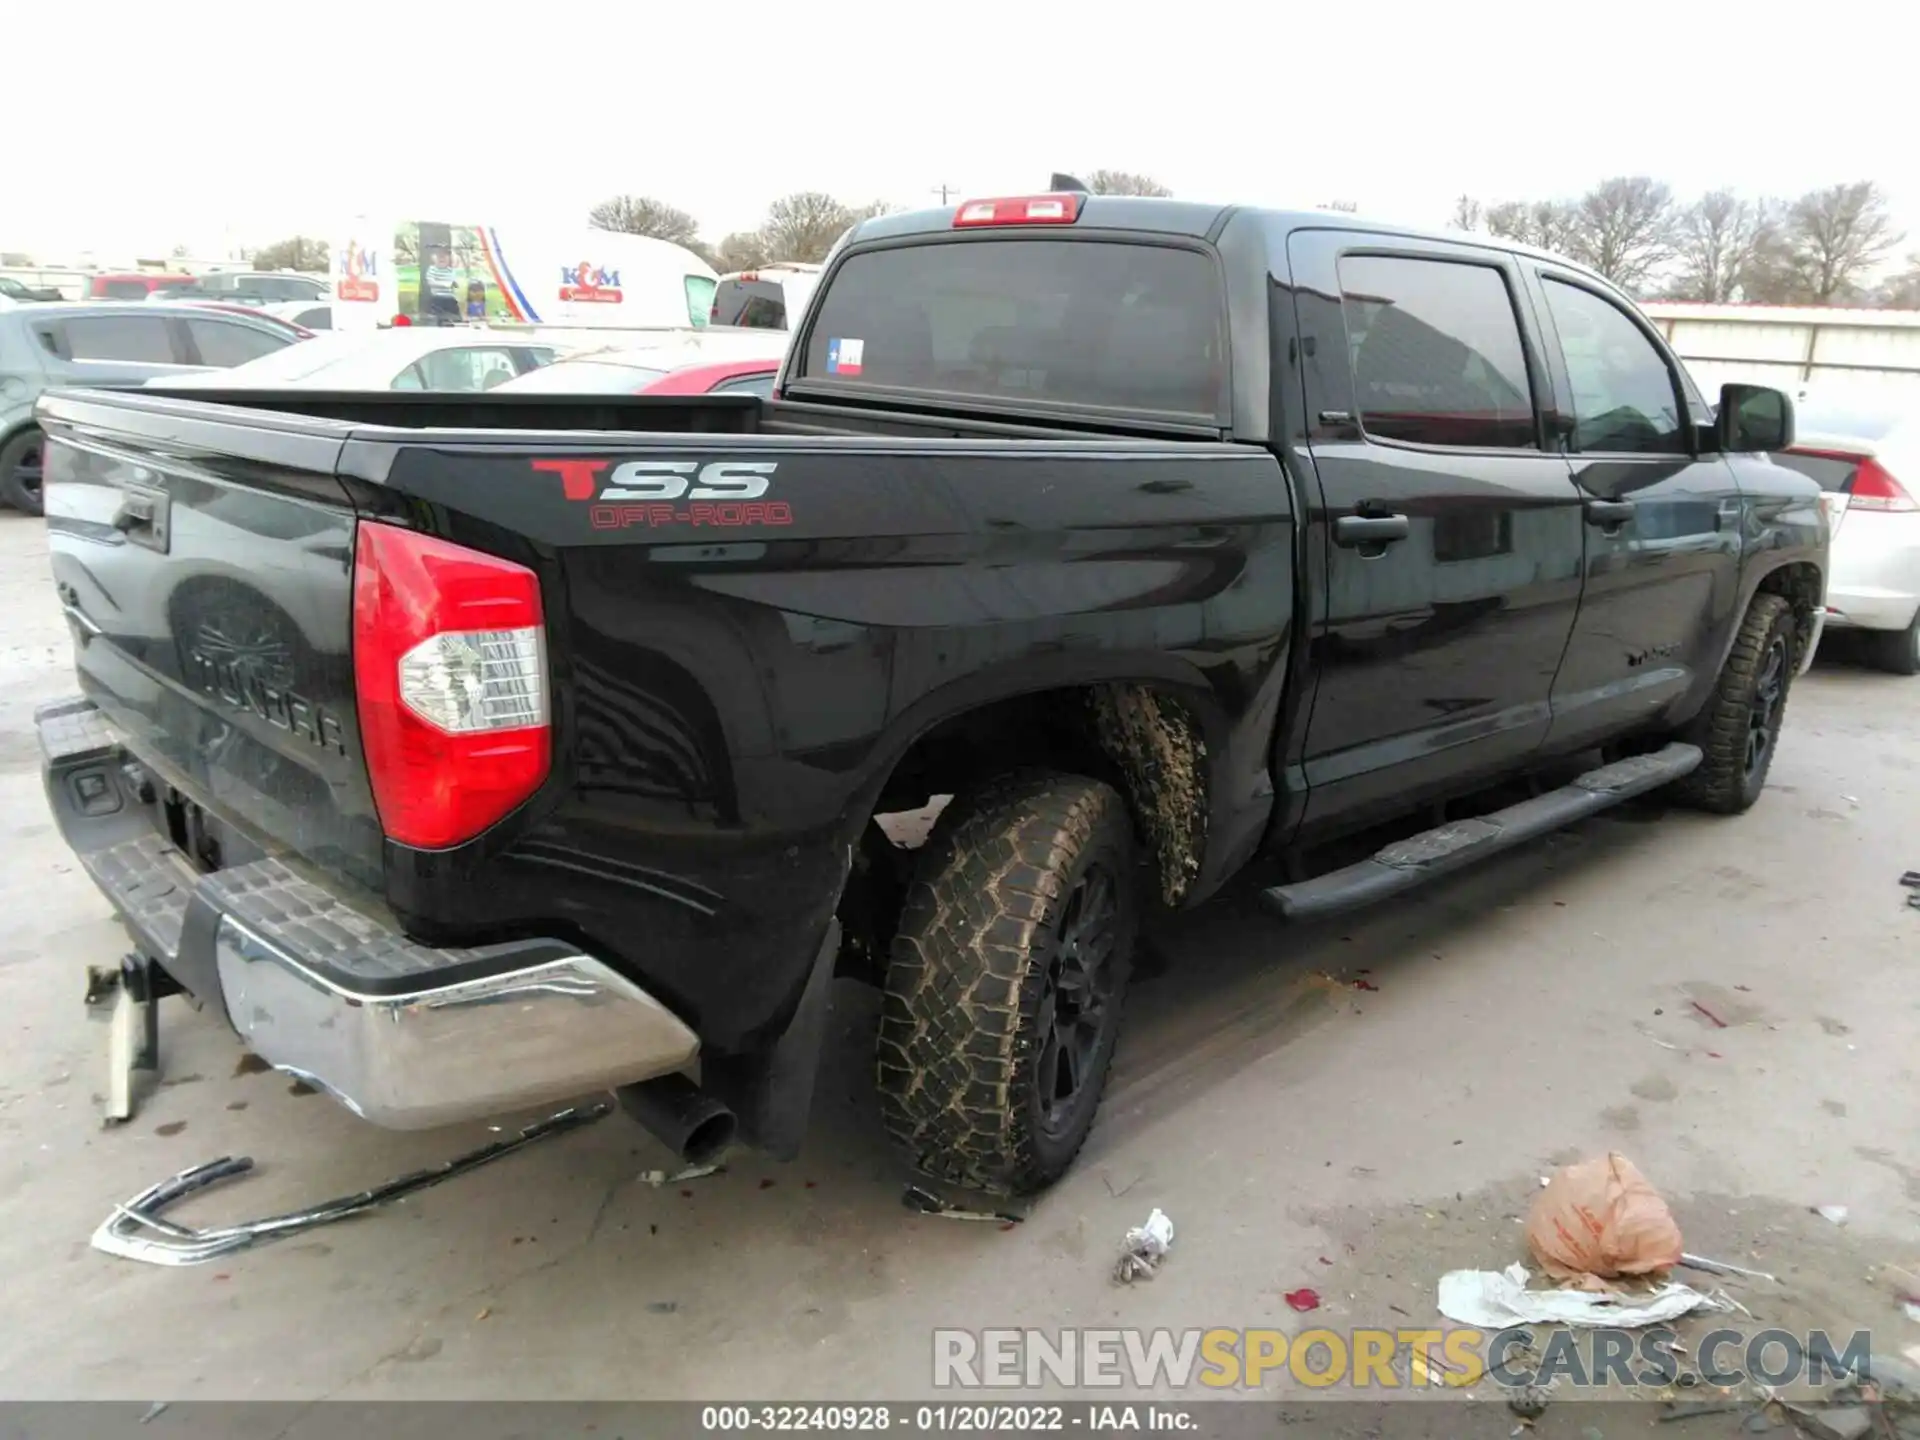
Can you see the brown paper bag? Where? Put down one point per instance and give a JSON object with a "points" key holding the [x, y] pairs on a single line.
{"points": [[1600, 1218]]}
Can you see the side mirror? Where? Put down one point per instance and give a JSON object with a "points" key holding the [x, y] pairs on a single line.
{"points": [[1753, 418]]}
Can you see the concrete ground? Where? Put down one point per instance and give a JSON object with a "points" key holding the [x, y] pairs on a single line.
{"points": [[1354, 1107]]}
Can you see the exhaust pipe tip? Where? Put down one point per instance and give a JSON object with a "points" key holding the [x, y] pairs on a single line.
{"points": [[696, 1126]]}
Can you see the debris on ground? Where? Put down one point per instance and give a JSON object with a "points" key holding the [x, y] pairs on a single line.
{"points": [[1146, 1247], [1303, 1300], [1598, 1219], [1693, 1409], [1722, 1267], [1529, 1402], [1496, 1299], [657, 1178], [138, 1231], [154, 1412], [1833, 1422], [925, 1202], [1837, 1214]]}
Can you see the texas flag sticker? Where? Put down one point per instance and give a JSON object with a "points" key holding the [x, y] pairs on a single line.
{"points": [[843, 356]]}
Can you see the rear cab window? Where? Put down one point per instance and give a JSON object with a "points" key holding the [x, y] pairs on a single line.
{"points": [[1830, 470], [1027, 323], [750, 304]]}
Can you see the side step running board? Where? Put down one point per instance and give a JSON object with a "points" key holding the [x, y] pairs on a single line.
{"points": [[1446, 848]]}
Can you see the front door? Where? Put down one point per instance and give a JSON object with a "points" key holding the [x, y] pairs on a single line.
{"points": [[1663, 521], [1453, 535]]}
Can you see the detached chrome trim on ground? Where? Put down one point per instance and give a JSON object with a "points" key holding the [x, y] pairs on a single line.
{"points": [[435, 1056]]}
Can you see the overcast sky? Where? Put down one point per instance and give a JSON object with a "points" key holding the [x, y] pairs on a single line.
{"points": [[216, 124]]}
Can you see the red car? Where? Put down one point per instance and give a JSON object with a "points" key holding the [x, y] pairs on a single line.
{"points": [[131, 286], [647, 372]]}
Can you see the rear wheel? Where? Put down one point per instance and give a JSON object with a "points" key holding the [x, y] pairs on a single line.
{"points": [[1005, 983], [20, 471], [1898, 650], [1739, 728]]}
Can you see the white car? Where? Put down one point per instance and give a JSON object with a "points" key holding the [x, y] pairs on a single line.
{"points": [[1867, 460], [439, 358], [769, 298]]}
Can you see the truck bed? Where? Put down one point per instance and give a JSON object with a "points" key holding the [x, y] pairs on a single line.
{"points": [[732, 681]]}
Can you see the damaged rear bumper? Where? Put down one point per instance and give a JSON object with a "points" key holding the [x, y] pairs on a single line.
{"points": [[406, 1035]]}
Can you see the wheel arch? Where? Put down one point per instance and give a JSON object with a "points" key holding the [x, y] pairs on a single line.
{"points": [[1154, 730]]}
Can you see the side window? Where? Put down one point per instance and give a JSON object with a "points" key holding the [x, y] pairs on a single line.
{"points": [[126, 290], [223, 344], [466, 370], [1623, 395], [761, 385], [132, 337], [1436, 352], [319, 318], [700, 299]]}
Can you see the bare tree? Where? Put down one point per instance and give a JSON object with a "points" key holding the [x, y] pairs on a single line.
{"points": [[1124, 182], [1722, 243], [643, 215], [1902, 291], [300, 252], [1624, 228], [741, 250], [1832, 238], [1544, 224], [1468, 214], [804, 225], [873, 210]]}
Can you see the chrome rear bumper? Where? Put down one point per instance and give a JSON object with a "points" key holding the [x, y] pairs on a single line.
{"points": [[406, 1035]]}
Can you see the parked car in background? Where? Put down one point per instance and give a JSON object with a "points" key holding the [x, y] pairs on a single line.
{"points": [[1869, 456], [765, 298], [670, 370], [131, 286], [22, 293], [108, 346], [410, 358], [315, 315], [723, 377], [248, 287], [258, 312]]}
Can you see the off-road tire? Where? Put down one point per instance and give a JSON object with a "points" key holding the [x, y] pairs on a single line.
{"points": [[1897, 651], [969, 1004], [1724, 783], [12, 492]]}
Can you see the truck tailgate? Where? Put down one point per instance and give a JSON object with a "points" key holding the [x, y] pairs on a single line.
{"points": [[206, 572]]}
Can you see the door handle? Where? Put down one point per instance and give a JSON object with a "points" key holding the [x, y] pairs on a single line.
{"points": [[1609, 513], [145, 518], [1356, 530]]}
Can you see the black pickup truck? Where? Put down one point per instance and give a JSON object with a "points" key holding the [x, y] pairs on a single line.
{"points": [[469, 752]]}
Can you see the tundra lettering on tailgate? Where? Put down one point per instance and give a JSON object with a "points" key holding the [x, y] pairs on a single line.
{"points": [[236, 682], [726, 493]]}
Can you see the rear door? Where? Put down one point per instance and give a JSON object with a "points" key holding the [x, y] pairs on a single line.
{"points": [[1663, 521], [1452, 532]]}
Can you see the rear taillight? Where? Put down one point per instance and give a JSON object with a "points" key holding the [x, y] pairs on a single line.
{"points": [[403, 320], [1061, 209], [1874, 488], [449, 663]]}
